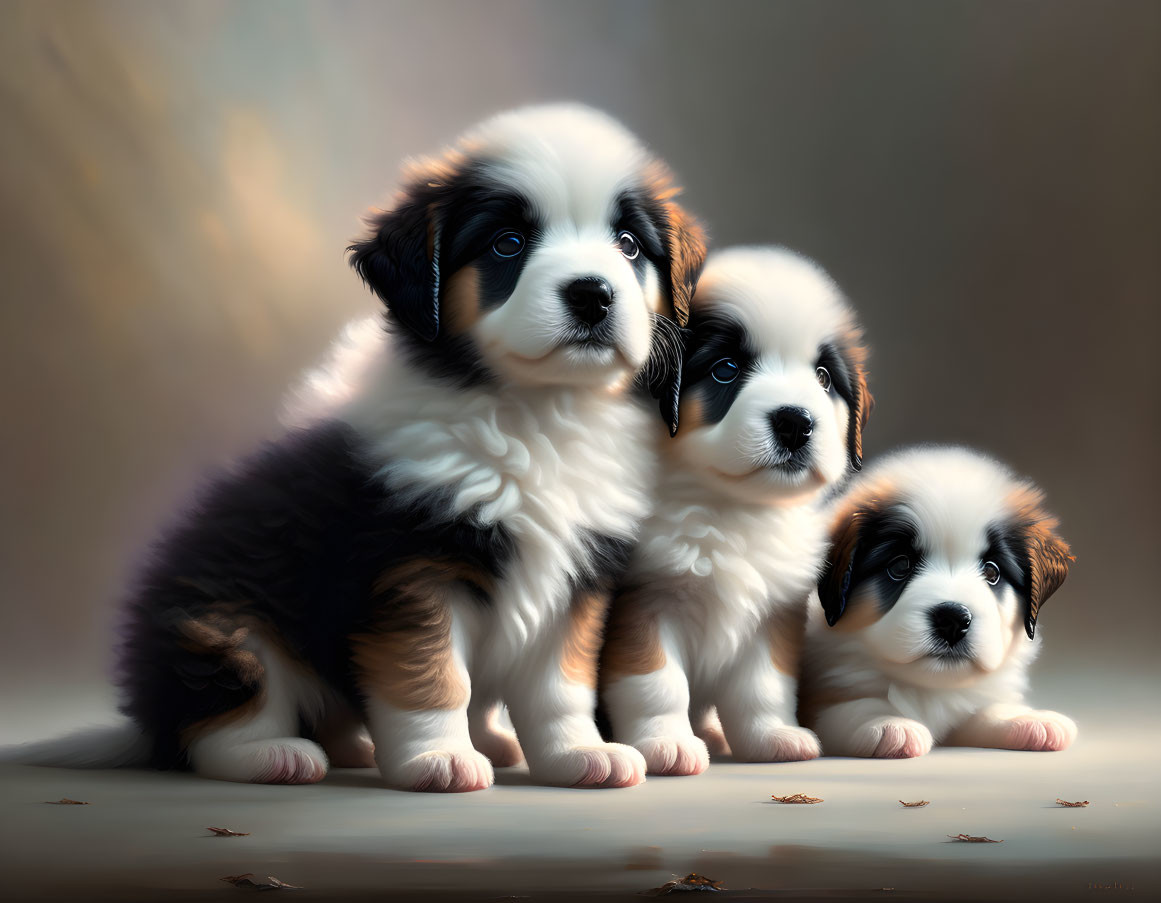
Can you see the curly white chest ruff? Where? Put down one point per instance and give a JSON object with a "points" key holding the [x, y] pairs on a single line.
{"points": [[734, 565], [553, 468]]}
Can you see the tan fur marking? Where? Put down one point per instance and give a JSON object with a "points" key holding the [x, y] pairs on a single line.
{"points": [[582, 643], [686, 239], [691, 412], [632, 644], [786, 634], [407, 661], [855, 352], [460, 305], [208, 636]]}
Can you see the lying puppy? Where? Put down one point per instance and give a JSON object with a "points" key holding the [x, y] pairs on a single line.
{"points": [[712, 611], [940, 562], [447, 537]]}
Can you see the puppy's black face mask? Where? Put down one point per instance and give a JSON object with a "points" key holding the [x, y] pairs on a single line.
{"points": [[454, 218]]}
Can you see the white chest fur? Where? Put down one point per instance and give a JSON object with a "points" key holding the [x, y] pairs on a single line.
{"points": [[731, 565], [551, 466]]}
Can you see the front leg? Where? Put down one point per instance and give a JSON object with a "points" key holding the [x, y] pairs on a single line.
{"points": [[552, 698], [646, 692], [1002, 726], [870, 727], [756, 702], [412, 673]]}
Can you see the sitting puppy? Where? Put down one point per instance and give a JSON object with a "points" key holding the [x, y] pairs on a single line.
{"points": [[940, 562], [713, 608], [446, 537]]}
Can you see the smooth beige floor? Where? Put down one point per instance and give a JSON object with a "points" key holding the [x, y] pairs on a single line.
{"points": [[143, 835]]}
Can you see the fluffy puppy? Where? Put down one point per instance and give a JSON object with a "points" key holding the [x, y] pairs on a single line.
{"points": [[442, 531], [713, 607], [940, 562]]}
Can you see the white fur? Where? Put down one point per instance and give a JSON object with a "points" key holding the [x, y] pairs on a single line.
{"points": [[788, 307], [552, 448], [265, 746], [912, 701], [731, 545], [571, 163]]}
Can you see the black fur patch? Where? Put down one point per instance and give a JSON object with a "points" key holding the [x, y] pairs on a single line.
{"points": [[295, 538], [1007, 549], [713, 337], [884, 536]]}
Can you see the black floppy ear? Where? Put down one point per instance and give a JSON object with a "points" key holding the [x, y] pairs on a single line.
{"points": [[1046, 556], [399, 258], [834, 584], [664, 370]]}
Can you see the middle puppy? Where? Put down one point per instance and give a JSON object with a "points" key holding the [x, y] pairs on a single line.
{"points": [[713, 609]]}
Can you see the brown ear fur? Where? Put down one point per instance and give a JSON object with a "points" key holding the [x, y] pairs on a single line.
{"points": [[685, 241], [863, 402], [1048, 554]]}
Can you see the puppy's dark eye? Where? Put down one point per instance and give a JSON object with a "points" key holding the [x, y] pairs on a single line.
{"points": [[899, 567], [991, 573], [724, 371], [823, 376], [627, 242], [508, 244]]}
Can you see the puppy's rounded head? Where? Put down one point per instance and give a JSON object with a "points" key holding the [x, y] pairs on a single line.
{"points": [[545, 248], [939, 557], [774, 395]]}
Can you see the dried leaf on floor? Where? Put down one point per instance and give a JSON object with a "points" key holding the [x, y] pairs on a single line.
{"points": [[691, 882], [247, 881], [967, 838], [65, 801], [1067, 805], [918, 804], [797, 798], [226, 832]]}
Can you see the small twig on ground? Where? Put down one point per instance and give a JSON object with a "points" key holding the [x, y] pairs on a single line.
{"points": [[247, 881], [967, 838], [226, 832], [65, 801], [692, 882], [918, 804], [1067, 805], [797, 798]]}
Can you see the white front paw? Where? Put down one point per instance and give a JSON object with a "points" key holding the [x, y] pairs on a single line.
{"points": [[778, 743], [441, 771], [674, 755], [599, 765], [894, 738], [1040, 731]]}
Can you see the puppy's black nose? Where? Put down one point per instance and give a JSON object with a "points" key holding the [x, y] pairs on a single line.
{"points": [[951, 621], [589, 299], [792, 426]]}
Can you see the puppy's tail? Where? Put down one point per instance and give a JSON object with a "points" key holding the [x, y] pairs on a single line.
{"points": [[113, 746]]}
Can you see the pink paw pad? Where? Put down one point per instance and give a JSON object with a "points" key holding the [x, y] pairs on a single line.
{"points": [[449, 772], [903, 740], [286, 764], [1038, 735], [674, 756]]}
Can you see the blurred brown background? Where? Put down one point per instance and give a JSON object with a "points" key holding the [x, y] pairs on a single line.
{"points": [[179, 181]]}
